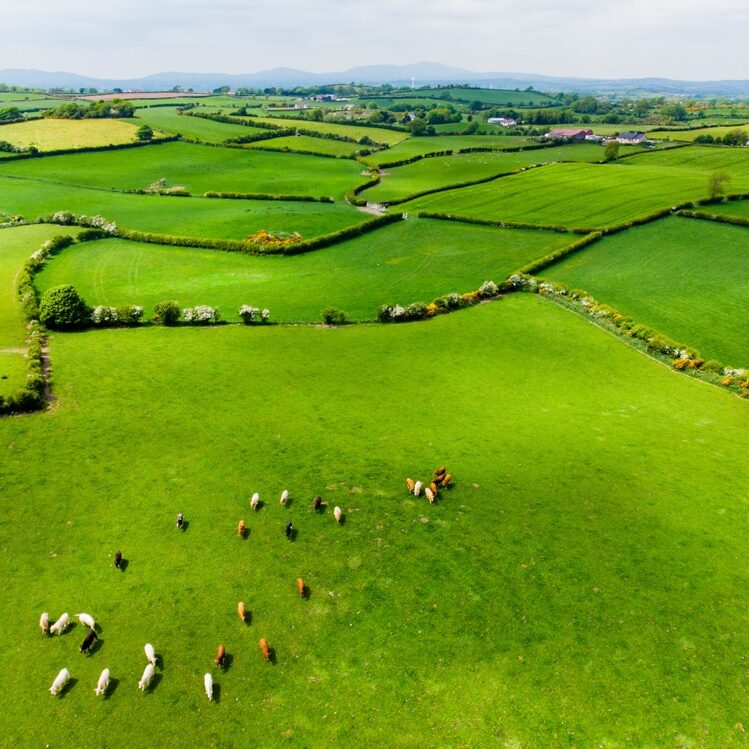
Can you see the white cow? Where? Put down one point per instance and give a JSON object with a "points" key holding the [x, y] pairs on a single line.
{"points": [[255, 501], [145, 680], [60, 681], [417, 488], [150, 653], [284, 497], [87, 620], [44, 623], [101, 687], [337, 514], [208, 683], [429, 495], [60, 625]]}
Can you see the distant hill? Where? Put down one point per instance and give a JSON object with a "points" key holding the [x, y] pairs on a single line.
{"points": [[423, 73]]}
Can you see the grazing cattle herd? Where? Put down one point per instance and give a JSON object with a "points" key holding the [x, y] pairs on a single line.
{"points": [[441, 479]]}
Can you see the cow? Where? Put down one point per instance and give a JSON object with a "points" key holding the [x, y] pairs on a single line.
{"points": [[118, 560], [434, 488], [87, 620], [208, 684], [441, 471], [180, 520], [103, 682], [44, 623], [60, 625], [284, 498], [88, 642], [242, 611], [429, 495], [318, 503], [410, 485], [220, 657], [288, 530], [264, 649], [145, 680], [446, 480], [417, 488], [240, 529], [300, 586], [337, 514], [150, 653], [60, 681], [255, 501]]}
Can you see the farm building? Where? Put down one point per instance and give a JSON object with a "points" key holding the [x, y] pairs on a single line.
{"points": [[631, 139], [568, 134], [503, 121]]}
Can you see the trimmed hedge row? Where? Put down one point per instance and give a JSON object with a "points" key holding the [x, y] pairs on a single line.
{"points": [[352, 196], [502, 224], [268, 196], [321, 154], [721, 219], [553, 257], [30, 397]]}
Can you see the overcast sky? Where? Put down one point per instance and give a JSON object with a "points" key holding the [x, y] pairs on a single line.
{"points": [[694, 39]]}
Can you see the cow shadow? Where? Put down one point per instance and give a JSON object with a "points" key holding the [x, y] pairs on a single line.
{"points": [[272, 656], [155, 681], [292, 536], [71, 626], [306, 592], [69, 684], [124, 564], [228, 661], [216, 692], [112, 688], [342, 521], [289, 502], [247, 618], [95, 646], [185, 525]]}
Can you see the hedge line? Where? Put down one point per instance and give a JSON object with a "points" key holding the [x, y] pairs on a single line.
{"points": [[268, 196], [553, 257], [352, 196], [288, 149], [30, 396], [93, 149], [704, 216], [502, 224], [256, 137]]}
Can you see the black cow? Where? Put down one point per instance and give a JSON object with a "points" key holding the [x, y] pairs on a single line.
{"points": [[180, 520], [118, 559], [318, 503], [288, 529], [88, 642]]}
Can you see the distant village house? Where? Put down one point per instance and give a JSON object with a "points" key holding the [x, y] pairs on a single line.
{"points": [[568, 134], [503, 121], [631, 139]]}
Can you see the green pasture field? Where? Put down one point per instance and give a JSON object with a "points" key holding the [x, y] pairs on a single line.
{"points": [[705, 159], [401, 182], [29, 102], [385, 102], [602, 128], [731, 208], [192, 128], [378, 135], [683, 277], [580, 591], [50, 135], [484, 95], [434, 144], [414, 260], [690, 135], [185, 217], [572, 195], [197, 168], [305, 143]]}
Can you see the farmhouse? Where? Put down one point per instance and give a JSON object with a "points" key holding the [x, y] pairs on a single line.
{"points": [[504, 121], [568, 134], [631, 139]]}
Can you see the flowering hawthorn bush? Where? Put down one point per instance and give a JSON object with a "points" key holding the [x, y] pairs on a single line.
{"points": [[201, 315]]}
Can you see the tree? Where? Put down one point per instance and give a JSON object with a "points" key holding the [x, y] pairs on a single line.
{"points": [[62, 308], [737, 137], [144, 133], [716, 184], [611, 152], [675, 112]]}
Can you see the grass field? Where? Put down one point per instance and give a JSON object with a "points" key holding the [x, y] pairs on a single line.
{"points": [[573, 195], [690, 135], [192, 128], [197, 168], [378, 135], [732, 208], [566, 591], [486, 96], [414, 260], [400, 182], [686, 278], [710, 159], [50, 135], [28, 102], [307, 144], [195, 217]]}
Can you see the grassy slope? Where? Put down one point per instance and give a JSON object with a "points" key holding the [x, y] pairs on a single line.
{"points": [[485, 95], [566, 591], [734, 161], [198, 168], [732, 208], [441, 171], [192, 217], [307, 144], [574, 195], [686, 278], [378, 135], [414, 260], [50, 135], [690, 135], [193, 128]]}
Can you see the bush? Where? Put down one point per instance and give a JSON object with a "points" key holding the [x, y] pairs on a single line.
{"points": [[62, 308], [201, 315], [488, 289], [250, 314], [166, 313], [332, 316]]}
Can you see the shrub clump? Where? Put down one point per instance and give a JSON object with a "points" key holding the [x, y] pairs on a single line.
{"points": [[166, 313], [62, 308], [333, 316], [201, 315], [108, 317], [250, 314]]}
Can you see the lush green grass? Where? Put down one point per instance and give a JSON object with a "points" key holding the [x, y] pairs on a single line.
{"points": [[573, 195], [436, 143], [27, 102], [732, 208], [581, 584], [51, 135], [496, 96], [187, 217], [683, 277], [307, 144], [197, 168], [192, 128], [690, 135], [378, 135], [734, 161], [441, 171], [414, 260]]}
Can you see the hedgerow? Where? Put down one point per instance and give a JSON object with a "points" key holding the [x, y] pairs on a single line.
{"points": [[31, 395], [268, 196]]}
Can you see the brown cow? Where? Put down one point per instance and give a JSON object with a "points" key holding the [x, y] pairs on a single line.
{"points": [[264, 649], [446, 480], [242, 611], [220, 656], [300, 586], [441, 471], [318, 503], [434, 488], [240, 529], [410, 485]]}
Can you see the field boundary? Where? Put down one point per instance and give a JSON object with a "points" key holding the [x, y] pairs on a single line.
{"points": [[92, 149]]}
